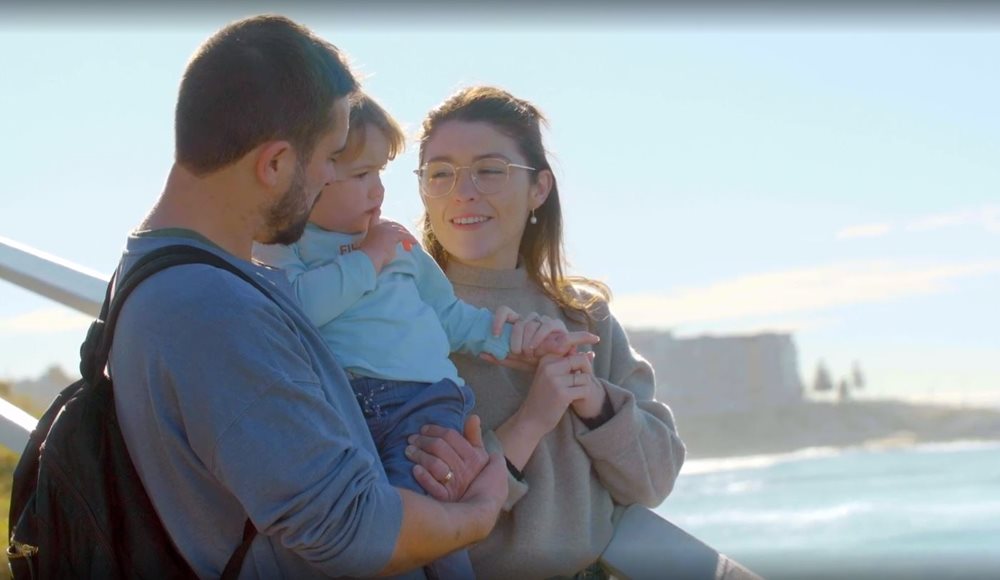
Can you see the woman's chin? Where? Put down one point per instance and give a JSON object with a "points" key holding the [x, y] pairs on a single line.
{"points": [[485, 259]]}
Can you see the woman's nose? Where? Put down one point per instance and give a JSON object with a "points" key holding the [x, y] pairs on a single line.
{"points": [[465, 187]]}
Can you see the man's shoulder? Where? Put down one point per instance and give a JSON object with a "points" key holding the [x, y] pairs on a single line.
{"points": [[198, 289]]}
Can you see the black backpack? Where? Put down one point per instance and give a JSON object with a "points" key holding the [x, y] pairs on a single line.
{"points": [[77, 506]]}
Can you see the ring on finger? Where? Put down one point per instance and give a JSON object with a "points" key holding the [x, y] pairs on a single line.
{"points": [[448, 477]]}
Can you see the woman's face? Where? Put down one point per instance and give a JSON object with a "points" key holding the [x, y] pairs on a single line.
{"points": [[475, 229]]}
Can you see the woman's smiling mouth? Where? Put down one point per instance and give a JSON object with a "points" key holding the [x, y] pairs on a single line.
{"points": [[469, 220]]}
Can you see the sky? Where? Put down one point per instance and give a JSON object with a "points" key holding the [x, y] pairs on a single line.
{"points": [[831, 175]]}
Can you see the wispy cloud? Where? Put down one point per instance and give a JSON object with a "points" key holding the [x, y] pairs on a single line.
{"points": [[987, 216], [864, 231], [44, 321], [774, 295]]}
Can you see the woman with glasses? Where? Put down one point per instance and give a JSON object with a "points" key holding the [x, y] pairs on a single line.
{"points": [[582, 434], [390, 316]]}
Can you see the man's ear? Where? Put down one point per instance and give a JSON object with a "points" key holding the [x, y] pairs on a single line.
{"points": [[541, 188], [275, 165]]}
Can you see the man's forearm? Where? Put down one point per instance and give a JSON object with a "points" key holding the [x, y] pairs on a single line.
{"points": [[432, 529]]}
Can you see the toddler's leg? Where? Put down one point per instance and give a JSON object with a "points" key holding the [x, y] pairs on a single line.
{"points": [[443, 403]]}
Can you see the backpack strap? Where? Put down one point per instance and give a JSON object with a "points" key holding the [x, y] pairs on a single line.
{"points": [[96, 348], [235, 562]]}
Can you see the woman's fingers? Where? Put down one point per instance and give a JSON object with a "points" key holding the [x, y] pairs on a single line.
{"points": [[567, 373], [531, 333], [580, 338], [548, 327], [579, 362], [522, 331], [503, 315], [562, 343], [573, 384], [512, 361]]}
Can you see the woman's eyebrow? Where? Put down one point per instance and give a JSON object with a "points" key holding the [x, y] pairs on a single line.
{"points": [[449, 159]]}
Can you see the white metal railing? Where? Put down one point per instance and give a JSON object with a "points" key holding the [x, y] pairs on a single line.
{"points": [[15, 426], [66, 283]]}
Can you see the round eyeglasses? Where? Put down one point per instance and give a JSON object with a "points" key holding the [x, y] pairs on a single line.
{"points": [[489, 175]]}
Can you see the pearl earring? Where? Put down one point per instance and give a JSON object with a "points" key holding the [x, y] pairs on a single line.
{"points": [[532, 220]]}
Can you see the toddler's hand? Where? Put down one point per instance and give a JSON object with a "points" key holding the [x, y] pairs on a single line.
{"points": [[381, 241]]}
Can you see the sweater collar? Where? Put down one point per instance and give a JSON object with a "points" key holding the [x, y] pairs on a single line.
{"points": [[486, 278], [318, 245]]}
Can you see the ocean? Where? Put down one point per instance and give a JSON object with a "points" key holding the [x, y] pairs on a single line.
{"points": [[924, 511]]}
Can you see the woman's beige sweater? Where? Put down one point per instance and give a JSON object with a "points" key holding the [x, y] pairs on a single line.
{"points": [[560, 518]]}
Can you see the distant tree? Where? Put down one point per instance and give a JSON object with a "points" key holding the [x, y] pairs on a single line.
{"points": [[857, 377], [843, 390], [822, 383], [4, 389]]}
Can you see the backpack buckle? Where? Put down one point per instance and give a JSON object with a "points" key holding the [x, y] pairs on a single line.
{"points": [[22, 560], [20, 550]]}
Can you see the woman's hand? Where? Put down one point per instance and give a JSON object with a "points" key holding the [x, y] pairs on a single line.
{"points": [[531, 330], [591, 403], [446, 462], [534, 336], [552, 392]]}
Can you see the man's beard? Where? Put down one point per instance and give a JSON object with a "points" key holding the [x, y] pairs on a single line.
{"points": [[288, 217]]}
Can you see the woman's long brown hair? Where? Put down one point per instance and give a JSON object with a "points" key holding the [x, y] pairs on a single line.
{"points": [[541, 249]]}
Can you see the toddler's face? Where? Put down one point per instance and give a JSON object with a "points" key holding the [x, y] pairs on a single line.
{"points": [[348, 203]]}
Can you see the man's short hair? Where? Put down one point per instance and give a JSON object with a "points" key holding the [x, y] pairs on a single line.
{"points": [[259, 79]]}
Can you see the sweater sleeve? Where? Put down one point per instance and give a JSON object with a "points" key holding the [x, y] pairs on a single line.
{"points": [[469, 328], [325, 290], [637, 454], [516, 488]]}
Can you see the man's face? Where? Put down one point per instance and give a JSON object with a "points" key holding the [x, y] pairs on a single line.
{"points": [[289, 215]]}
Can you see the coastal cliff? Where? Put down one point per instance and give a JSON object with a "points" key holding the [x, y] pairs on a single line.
{"points": [[709, 375], [737, 395], [743, 395]]}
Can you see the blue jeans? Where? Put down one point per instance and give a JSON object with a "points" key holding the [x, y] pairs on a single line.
{"points": [[394, 410]]}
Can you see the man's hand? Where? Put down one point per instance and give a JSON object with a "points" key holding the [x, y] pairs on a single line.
{"points": [[438, 452], [433, 528]]}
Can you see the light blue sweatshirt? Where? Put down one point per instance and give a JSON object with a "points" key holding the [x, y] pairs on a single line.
{"points": [[399, 325]]}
